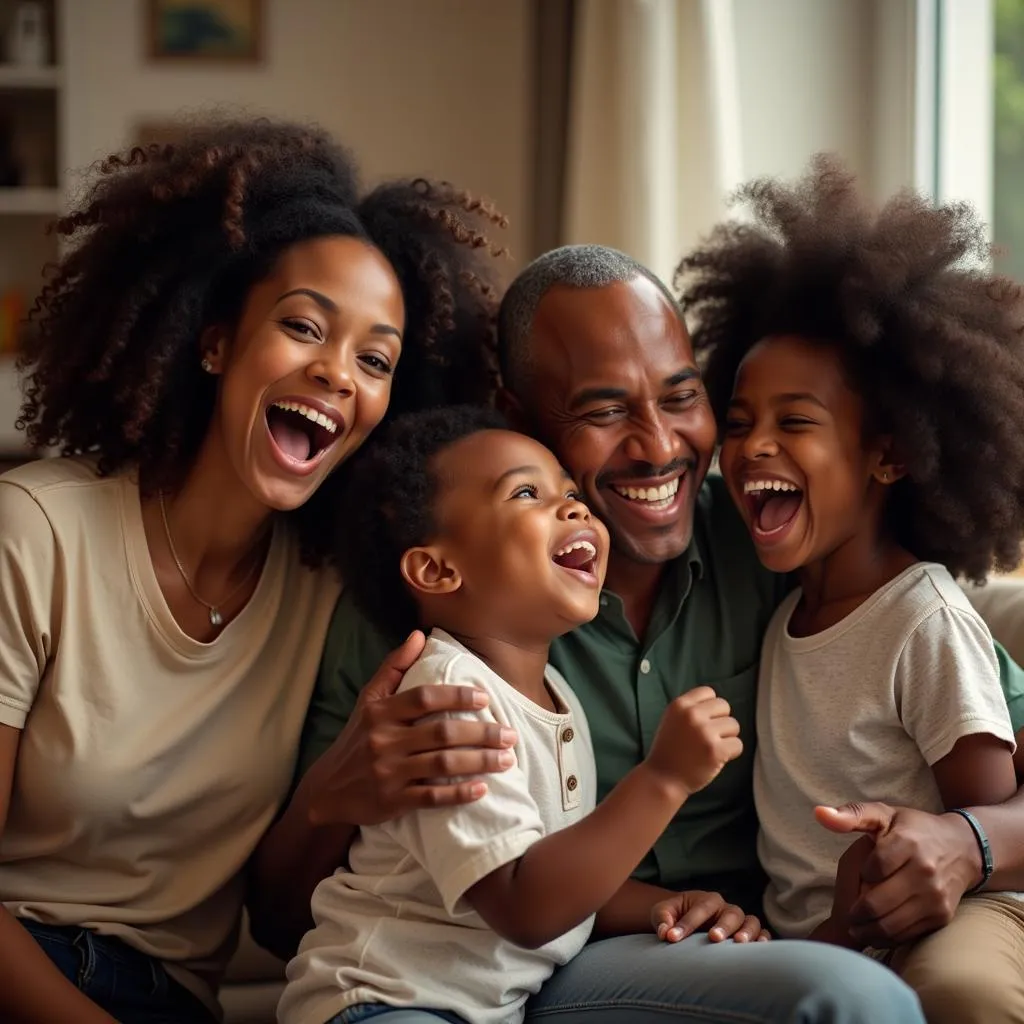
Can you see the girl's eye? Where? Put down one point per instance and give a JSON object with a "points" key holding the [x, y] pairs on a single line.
{"points": [[735, 427], [378, 364], [575, 496], [797, 421], [526, 491], [303, 327]]}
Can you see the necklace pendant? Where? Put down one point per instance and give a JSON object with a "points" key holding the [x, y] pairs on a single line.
{"points": [[215, 617]]}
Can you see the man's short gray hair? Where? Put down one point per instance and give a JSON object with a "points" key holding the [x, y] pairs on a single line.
{"points": [[575, 266]]}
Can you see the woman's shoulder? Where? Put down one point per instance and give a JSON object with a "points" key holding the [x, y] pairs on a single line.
{"points": [[42, 476]]}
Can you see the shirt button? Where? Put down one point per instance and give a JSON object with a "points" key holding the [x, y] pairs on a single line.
{"points": [[568, 735], [645, 666], [571, 783]]}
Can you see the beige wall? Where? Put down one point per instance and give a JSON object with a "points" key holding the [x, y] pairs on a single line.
{"points": [[436, 87]]}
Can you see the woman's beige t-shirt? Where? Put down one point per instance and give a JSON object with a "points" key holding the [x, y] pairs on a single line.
{"points": [[149, 764]]}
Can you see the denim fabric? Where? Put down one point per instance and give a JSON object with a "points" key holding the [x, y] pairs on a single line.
{"points": [[131, 986]]}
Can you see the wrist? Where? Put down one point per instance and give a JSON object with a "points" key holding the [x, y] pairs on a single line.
{"points": [[834, 933], [664, 787], [974, 861]]}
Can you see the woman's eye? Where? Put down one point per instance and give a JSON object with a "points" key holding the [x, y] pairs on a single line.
{"points": [[303, 327], [377, 363], [526, 491]]}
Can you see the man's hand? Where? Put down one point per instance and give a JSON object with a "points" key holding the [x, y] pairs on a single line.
{"points": [[914, 877], [691, 911], [383, 762]]}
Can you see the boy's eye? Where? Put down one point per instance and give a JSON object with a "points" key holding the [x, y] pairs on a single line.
{"points": [[525, 491]]}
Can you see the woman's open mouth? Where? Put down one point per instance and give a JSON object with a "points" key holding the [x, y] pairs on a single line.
{"points": [[301, 433], [579, 556], [773, 505]]}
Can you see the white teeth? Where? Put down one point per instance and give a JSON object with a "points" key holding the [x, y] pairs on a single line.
{"points": [[313, 415], [584, 544], [657, 495], [756, 486]]}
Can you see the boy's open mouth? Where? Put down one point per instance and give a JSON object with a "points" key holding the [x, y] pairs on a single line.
{"points": [[300, 431], [772, 504], [579, 555]]}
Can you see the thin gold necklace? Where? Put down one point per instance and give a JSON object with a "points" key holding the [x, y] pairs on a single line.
{"points": [[216, 619]]}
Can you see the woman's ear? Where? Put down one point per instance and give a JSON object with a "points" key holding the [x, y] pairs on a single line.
{"points": [[512, 409], [213, 343], [427, 571]]}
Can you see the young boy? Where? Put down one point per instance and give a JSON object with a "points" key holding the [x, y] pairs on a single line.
{"points": [[476, 533]]}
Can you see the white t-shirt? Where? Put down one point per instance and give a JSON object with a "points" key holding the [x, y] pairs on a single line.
{"points": [[149, 764], [861, 711], [396, 928]]}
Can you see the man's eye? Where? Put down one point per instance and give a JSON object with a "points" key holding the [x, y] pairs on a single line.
{"points": [[683, 398], [604, 415], [526, 491]]}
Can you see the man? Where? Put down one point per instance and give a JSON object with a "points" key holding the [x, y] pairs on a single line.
{"points": [[597, 363]]}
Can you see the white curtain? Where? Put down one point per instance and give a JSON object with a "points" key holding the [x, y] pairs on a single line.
{"points": [[653, 139]]}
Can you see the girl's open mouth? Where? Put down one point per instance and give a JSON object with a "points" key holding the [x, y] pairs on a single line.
{"points": [[579, 557], [772, 505], [300, 432]]}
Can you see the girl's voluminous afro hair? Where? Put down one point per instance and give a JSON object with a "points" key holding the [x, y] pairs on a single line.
{"points": [[929, 337], [171, 238]]}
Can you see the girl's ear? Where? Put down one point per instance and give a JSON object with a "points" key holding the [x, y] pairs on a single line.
{"points": [[425, 569], [887, 468]]}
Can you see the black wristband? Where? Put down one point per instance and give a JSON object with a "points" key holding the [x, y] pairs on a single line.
{"points": [[987, 867]]}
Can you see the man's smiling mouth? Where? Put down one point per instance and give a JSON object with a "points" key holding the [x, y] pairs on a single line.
{"points": [[655, 497]]}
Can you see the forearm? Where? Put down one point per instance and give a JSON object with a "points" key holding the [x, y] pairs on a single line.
{"points": [[292, 858], [628, 912], [1004, 825], [32, 989], [569, 875]]}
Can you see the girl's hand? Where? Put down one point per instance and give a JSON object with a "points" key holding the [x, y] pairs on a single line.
{"points": [[692, 911], [386, 761]]}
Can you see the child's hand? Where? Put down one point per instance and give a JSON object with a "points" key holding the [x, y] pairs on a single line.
{"points": [[692, 911], [696, 738]]}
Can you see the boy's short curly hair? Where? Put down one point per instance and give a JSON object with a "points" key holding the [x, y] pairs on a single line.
{"points": [[388, 507], [171, 238], [930, 339]]}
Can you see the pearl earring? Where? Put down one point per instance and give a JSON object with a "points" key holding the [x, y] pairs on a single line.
{"points": [[885, 476], [207, 365]]}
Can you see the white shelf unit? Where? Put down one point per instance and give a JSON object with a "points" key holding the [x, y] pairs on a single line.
{"points": [[33, 106]]}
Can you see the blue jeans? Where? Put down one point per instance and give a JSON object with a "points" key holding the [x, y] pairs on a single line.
{"points": [[132, 987], [398, 1014], [635, 979]]}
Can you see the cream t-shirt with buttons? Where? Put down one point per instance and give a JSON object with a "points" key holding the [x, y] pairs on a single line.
{"points": [[149, 764], [396, 927]]}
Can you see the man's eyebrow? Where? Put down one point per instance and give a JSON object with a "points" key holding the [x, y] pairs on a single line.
{"points": [[680, 376], [610, 394], [329, 305], [600, 394], [515, 471]]}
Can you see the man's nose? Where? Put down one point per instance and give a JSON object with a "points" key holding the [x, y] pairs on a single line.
{"points": [[655, 442]]}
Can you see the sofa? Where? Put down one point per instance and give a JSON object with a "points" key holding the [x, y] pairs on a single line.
{"points": [[254, 980]]}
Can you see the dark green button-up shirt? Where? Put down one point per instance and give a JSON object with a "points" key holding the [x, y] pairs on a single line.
{"points": [[706, 628]]}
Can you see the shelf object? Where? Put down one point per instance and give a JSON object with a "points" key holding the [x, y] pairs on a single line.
{"points": [[30, 201], [12, 442], [13, 76]]}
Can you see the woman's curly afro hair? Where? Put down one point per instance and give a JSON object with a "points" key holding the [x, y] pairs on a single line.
{"points": [[170, 239], [929, 338]]}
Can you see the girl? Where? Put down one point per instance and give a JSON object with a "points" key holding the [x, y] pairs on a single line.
{"points": [[869, 383]]}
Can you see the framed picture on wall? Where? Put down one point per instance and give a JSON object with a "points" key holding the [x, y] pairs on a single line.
{"points": [[205, 31]]}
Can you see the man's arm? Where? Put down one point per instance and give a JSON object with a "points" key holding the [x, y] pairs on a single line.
{"points": [[365, 758]]}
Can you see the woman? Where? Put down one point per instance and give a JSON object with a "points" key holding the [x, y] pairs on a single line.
{"points": [[222, 336]]}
